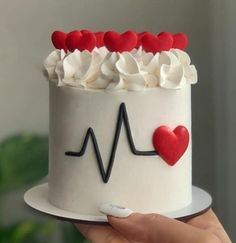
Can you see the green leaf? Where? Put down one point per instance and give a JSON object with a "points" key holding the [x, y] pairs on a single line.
{"points": [[23, 160], [23, 231], [43, 232], [28, 232]]}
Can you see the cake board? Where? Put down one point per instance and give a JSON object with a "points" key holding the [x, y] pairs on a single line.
{"points": [[37, 198]]}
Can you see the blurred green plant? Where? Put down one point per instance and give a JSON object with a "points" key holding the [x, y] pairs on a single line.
{"points": [[23, 161], [30, 232], [27, 232]]}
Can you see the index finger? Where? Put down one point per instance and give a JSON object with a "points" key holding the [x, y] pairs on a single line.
{"points": [[100, 233], [155, 228]]}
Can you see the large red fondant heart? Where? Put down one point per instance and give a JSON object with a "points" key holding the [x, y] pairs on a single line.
{"points": [[99, 38], [180, 41], [154, 44], [170, 145], [59, 40], [116, 42]]}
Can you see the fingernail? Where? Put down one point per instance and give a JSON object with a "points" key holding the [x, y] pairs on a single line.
{"points": [[115, 210]]}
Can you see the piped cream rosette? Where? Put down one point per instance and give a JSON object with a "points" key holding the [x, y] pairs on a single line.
{"points": [[134, 71]]}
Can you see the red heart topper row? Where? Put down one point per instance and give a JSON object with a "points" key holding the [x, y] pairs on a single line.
{"points": [[116, 42], [170, 145]]}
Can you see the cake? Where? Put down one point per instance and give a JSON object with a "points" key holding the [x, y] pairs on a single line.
{"points": [[120, 121]]}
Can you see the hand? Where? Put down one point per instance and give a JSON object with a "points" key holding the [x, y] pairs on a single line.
{"points": [[154, 228]]}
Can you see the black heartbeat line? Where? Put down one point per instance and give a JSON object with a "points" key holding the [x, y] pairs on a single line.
{"points": [[122, 117]]}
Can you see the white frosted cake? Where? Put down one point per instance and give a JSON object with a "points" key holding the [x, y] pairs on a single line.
{"points": [[120, 121]]}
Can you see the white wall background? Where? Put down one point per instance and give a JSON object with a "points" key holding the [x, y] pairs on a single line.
{"points": [[25, 28]]}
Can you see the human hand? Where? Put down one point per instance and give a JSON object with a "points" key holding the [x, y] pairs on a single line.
{"points": [[154, 228]]}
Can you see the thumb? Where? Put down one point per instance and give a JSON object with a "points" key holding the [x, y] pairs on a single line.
{"points": [[157, 228]]}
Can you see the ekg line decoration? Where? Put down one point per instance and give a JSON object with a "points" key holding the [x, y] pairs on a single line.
{"points": [[122, 118]]}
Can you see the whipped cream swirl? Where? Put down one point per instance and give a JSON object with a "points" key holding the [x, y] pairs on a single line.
{"points": [[135, 70]]}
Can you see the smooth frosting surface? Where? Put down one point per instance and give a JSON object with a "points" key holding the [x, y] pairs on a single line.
{"points": [[143, 183], [134, 71]]}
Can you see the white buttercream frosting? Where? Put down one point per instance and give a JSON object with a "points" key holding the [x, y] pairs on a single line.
{"points": [[135, 70]]}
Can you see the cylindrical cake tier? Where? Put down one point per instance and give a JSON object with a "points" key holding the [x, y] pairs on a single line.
{"points": [[142, 183]]}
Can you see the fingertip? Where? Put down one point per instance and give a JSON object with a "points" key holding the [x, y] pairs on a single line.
{"points": [[113, 219], [126, 222], [130, 217], [115, 210]]}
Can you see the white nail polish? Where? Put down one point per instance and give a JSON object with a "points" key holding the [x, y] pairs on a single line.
{"points": [[115, 210]]}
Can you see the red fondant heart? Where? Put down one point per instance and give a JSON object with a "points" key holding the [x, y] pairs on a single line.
{"points": [[59, 40], [84, 31], [72, 40], [99, 39], [154, 44], [140, 35], [180, 41], [116, 42], [170, 145], [166, 40], [77, 40]]}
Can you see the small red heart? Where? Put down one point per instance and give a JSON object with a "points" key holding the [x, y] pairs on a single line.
{"points": [[77, 40], [116, 42], [140, 35], [59, 40], [180, 41], [84, 31], [99, 39], [154, 44], [167, 38], [71, 40], [170, 145]]}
